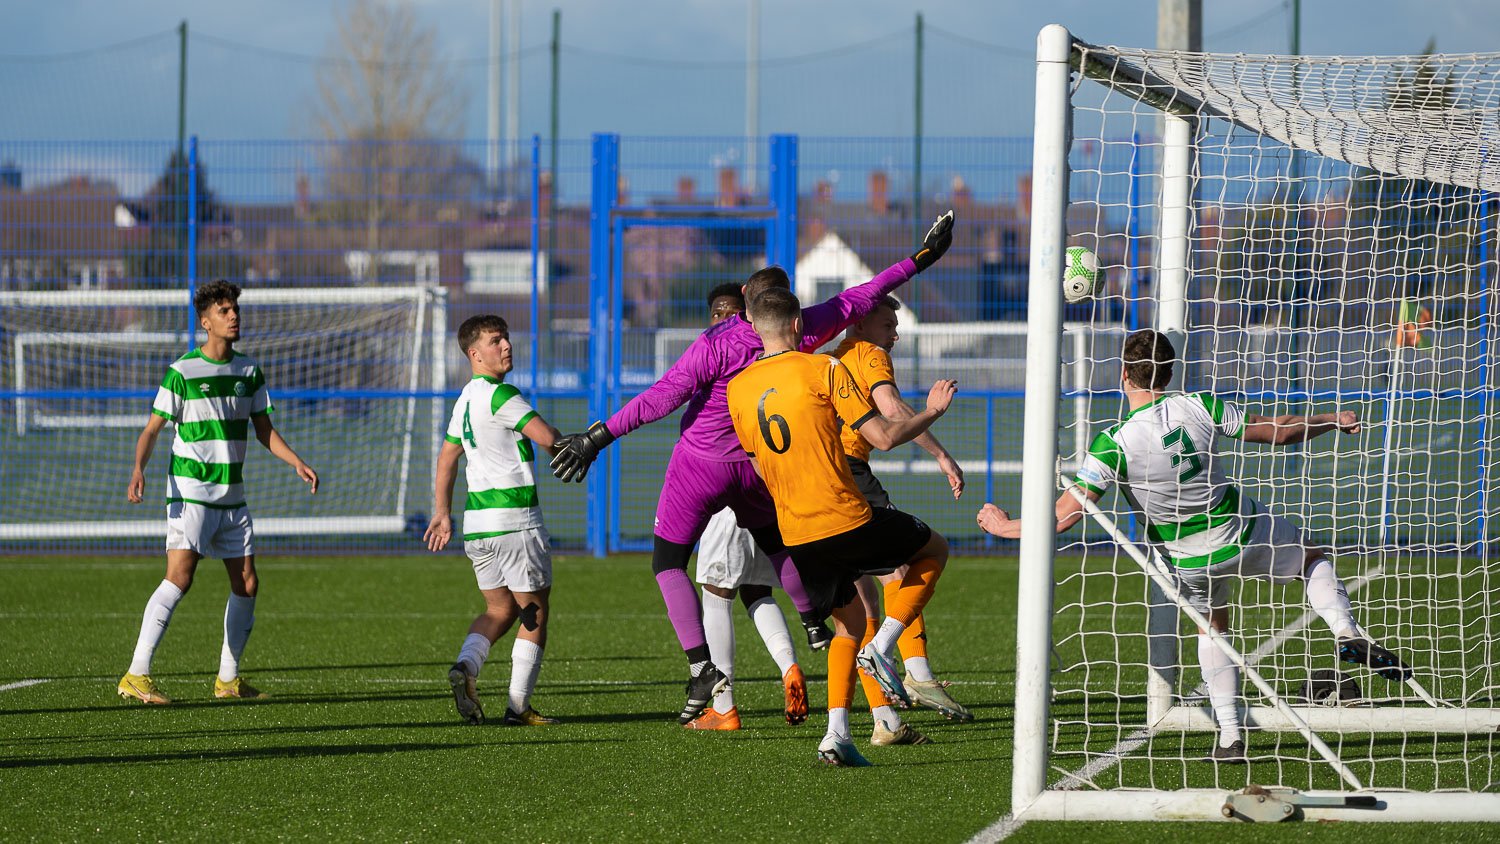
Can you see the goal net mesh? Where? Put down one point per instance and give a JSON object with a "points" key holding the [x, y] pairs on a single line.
{"points": [[350, 371], [1342, 254]]}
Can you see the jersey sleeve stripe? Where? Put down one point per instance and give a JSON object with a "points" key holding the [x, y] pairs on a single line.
{"points": [[524, 420], [452, 439], [881, 383], [163, 414], [1088, 486], [863, 419], [1214, 405], [1108, 452]]}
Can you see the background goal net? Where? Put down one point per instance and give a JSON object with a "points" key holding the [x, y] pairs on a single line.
{"points": [[356, 376], [1324, 240]]}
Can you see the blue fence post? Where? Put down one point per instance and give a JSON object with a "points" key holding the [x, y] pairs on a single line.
{"points": [[536, 240], [192, 240], [784, 199], [604, 196]]}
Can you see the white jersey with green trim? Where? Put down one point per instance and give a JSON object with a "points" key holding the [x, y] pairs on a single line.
{"points": [[1163, 456], [211, 402], [487, 422]]}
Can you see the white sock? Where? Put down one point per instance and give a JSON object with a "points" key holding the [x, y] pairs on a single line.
{"points": [[773, 631], [525, 665], [718, 628], [887, 716], [1222, 677], [838, 723], [239, 618], [474, 651], [918, 669], [885, 638], [1329, 599], [154, 625]]}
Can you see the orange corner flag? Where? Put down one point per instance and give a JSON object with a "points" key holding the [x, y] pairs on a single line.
{"points": [[1412, 324]]}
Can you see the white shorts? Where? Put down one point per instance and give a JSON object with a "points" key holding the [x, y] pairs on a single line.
{"points": [[210, 531], [729, 558], [520, 561], [1274, 552]]}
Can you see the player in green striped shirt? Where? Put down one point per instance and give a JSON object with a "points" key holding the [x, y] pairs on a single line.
{"points": [[494, 427], [213, 395]]}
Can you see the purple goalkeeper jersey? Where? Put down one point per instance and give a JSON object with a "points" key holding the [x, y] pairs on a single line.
{"points": [[700, 378]]}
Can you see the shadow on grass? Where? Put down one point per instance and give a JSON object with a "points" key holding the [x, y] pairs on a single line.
{"points": [[283, 752]]}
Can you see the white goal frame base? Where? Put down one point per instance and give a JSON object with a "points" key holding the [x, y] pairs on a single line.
{"points": [[147, 528], [1207, 804], [1336, 719]]}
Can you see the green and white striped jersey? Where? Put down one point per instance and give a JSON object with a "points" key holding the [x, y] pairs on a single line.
{"points": [[487, 422], [1162, 454], [211, 402]]}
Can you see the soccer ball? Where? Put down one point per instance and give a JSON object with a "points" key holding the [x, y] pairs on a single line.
{"points": [[1080, 273]]}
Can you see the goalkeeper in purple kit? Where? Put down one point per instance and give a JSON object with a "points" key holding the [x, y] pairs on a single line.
{"points": [[708, 470]]}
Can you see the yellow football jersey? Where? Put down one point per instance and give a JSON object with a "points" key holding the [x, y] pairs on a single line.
{"points": [[786, 410], [871, 366]]}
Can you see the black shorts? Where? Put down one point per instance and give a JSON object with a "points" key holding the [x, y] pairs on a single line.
{"points": [[829, 567], [869, 485]]}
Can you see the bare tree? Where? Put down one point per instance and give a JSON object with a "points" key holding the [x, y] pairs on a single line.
{"points": [[389, 101]]}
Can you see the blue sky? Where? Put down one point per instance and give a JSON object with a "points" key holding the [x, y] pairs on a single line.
{"points": [[643, 67]]}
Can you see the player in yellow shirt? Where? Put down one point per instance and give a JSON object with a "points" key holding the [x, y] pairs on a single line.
{"points": [[786, 409], [866, 350]]}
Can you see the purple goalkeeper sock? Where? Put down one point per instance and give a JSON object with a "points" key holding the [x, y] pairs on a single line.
{"points": [[683, 608], [791, 581]]}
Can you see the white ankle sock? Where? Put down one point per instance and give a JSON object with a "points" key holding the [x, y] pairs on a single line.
{"points": [[525, 665], [1329, 599], [474, 651], [838, 723], [885, 638], [887, 715], [718, 629], [918, 669], [154, 625], [773, 631], [239, 618], [1222, 677]]}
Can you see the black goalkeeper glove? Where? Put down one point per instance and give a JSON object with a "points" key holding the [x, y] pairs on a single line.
{"points": [[937, 241], [576, 452]]}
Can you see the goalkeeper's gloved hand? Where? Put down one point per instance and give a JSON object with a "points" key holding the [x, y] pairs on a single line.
{"points": [[937, 241], [576, 452]]}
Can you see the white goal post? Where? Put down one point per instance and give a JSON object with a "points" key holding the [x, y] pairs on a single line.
{"points": [[1324, 239], [357, 373]]}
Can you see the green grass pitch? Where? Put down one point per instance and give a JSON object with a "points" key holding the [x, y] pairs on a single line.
{"points": [[360, 740]]}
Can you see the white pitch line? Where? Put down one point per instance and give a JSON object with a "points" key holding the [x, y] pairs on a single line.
{"points": [[1009, 824], [22, 684]]}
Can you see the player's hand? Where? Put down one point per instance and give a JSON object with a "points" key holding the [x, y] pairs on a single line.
{"points": [[941, 395], [955, 474], [439, 531], [1347, 421], [997, 522], [137, 489], [576, 452], [306, 473], [937, 241]]}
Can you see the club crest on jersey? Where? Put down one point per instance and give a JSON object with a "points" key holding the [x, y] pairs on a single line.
{"points": [[239, 388]]}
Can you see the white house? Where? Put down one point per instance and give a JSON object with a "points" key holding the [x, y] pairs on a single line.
{"points": [[831, 267]]}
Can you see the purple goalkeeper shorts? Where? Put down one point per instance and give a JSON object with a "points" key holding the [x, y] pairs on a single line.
{"points": [[696, 488]]}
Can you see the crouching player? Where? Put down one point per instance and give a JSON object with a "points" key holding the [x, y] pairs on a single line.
{"points": [[786, 409], [493, 427]]}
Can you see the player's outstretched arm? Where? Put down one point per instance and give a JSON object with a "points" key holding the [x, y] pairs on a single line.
{"points": [[271, 439], [144, 445], [1285, 430], [440, 526], [997, 522], [888, 401], [885, 434], [822, 321], [541, 432]]}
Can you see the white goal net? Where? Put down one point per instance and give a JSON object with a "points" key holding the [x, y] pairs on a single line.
{"points": [[1315, 235], [355, 374]]}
